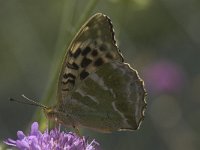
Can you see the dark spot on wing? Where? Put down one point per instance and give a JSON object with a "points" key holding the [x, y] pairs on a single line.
{"points": [[103, 47], [77, 53], [70, 54], [65, 76], [98, 62], [85, 62], [72, 66], [109, 56], [94, 52], [86, 51], [69, 75], [83, 74]]}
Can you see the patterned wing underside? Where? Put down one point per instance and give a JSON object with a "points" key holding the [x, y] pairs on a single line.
{"points": [[110, 99], [93, 46]]}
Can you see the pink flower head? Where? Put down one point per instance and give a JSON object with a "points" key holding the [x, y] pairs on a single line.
{"points": [[164, 76], [53, 140]]}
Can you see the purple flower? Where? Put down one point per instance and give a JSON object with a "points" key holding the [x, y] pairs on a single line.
{"points": [[53, 140], [164, 76]]}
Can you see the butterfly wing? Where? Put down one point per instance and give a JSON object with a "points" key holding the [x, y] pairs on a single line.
{"points": [[110, 99], [93, 46], [96, 89]]}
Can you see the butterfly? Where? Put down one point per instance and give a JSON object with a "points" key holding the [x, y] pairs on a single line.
{"points": [[96, 89]]}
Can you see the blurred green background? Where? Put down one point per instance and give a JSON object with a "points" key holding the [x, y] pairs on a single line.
{"points": [[159, 38]]}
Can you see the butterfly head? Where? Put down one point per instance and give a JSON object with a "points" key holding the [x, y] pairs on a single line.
{"points": [[54, 114], [51, 113]]}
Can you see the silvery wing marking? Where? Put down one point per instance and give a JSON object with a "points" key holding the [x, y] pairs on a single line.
{"points": [[93, 46], [110, 99]]}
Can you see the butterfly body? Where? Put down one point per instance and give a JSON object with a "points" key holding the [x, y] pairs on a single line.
{"points": [[96, 88]]}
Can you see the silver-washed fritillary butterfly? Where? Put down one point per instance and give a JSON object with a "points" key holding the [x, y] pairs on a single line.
{"points": [[96, 88]]}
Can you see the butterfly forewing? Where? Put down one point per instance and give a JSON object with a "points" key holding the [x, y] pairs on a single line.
{"points": [[93, 46]]}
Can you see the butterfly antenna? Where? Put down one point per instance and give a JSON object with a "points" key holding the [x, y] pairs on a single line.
{"points": [[29, 102]]}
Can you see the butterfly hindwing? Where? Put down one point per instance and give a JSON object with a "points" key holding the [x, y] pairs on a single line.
{"points": [[110, 99], [93, 46]]}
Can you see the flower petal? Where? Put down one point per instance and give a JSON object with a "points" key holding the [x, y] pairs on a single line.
{"points": [[20, 135], [34, 129], [10, 142]]}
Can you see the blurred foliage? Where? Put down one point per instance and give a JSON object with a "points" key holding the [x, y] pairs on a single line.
{"points": [[160, 37]]}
